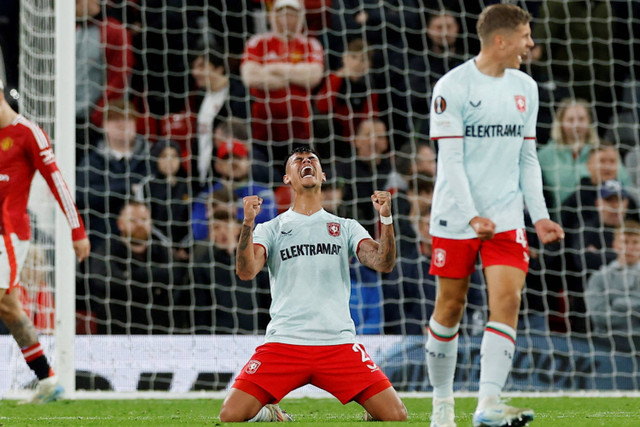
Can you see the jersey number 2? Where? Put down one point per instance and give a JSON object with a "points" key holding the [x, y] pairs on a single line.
{"points": [[365, 356]]}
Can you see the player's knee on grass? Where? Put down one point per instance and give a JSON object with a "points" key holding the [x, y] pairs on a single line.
{"points": [[232, 415], [395, 412]]}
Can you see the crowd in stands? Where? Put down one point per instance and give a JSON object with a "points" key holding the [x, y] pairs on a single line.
{"points": [[183, 110]]}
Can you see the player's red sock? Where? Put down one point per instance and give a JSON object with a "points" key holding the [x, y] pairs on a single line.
{"points": [[37, 361]]}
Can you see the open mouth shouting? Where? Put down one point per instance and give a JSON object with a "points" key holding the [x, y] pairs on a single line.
{"points": [[307, 171]]}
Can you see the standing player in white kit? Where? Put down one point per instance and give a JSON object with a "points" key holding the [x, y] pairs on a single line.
{"points": [[483, 116]]}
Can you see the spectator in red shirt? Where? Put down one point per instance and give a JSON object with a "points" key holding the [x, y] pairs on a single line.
{"points": [[281, 67]]}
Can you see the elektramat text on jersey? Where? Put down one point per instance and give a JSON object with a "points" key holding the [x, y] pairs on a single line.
{"points": [[310, 250]]}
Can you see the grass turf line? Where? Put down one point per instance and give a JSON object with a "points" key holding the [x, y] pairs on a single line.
{"points": [[551, 412]]}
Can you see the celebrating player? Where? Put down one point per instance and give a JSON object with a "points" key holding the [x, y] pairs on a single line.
{"points": [[311, 337], [25, 148], [483, 115]]}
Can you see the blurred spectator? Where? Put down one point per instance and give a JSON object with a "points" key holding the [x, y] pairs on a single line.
{"points": [[347, 98], [613, 293], [208, 71], [222, 200], [332, 196], [168, 30], [413, 160], [575, 43], [131, 278], [104, 58], [224, 304], [390, 28], [573, 134], [106, 174], [234, 129], [603, 165], [563, 159], [369, 172], [443, 51], [366, 300], [281, 68], [589, 247], [232, 166], [168, 194]]}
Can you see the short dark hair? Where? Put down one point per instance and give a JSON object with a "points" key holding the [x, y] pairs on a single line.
{"points": [[223, 215], [500, 16], [300, 149], [602, 145], [133, 203]]}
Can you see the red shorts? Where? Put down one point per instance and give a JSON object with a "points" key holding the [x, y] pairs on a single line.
{"points": [[457, 258], [346, 371]]}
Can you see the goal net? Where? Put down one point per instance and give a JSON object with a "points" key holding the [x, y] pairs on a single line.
{"points": [[164, 310]]}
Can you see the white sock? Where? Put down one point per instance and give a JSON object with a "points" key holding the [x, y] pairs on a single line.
{"points": [[496, 359], [442, 354], [262, 415]]}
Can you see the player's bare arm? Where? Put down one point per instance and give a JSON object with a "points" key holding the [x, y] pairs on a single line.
{"points": [[380, 256], [549, 231], [484, 227], [250, 258]]}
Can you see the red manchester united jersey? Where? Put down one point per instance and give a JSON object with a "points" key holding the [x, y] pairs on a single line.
{"points": [[268, 47], [25, 148]]}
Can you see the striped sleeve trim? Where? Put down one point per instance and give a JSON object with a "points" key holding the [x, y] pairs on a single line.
{"points": [[38, 134], [67, 201], [436, 138]]}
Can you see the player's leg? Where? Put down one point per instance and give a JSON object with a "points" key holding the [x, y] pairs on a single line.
{"points": [[239, 406], [26, 336], [442, 347], [273, 371], [386, 406], [13, 253], [350, 374], [442, 340], [506, 261]]}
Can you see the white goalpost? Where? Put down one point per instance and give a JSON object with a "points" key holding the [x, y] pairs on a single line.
{"points": [[64, 146]]}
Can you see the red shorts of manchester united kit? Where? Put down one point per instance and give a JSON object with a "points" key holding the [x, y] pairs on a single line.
{"points": [[345, 370], [457, 258]]}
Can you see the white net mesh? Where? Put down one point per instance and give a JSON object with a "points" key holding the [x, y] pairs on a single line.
{"points": [[184, 284]]}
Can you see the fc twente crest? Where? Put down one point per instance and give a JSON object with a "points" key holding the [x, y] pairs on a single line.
{"points": [[333, 228], [521, 103]]}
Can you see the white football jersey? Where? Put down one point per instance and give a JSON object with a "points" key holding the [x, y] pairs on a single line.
{"points": [[308, 261], [486, 128]]}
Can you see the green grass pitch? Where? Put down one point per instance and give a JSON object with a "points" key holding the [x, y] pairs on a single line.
{"points": [[556, 412]]}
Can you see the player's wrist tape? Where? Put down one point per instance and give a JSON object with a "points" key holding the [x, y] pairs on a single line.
{"points": [[386, 220]]}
